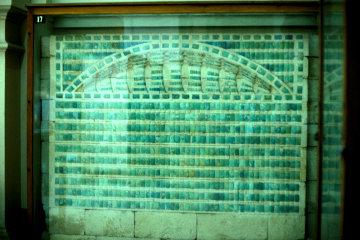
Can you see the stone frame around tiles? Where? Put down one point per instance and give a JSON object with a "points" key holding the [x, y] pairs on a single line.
{"points": [[53, 102]]}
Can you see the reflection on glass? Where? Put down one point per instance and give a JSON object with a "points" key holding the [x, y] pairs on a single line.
{"points": [[333, 117], [182, 112], [170, 120]]}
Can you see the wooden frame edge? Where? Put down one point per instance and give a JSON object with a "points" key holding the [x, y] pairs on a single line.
{"points": [[131, 8], [29, 130], [176, 7], [320, 134]]}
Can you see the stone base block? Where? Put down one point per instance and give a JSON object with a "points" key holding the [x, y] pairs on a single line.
{"points": [[71, 237], [165, 225], [116, 238], [231, 226], [109, 223], [286, 228], [84, 237], [66, 221]]}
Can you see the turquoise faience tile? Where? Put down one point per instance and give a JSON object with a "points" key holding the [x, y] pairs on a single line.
{"points": [[130, 119]]}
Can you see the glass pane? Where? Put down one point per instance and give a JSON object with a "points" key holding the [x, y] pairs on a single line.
{"points": [[164, 125], [333, 119]]}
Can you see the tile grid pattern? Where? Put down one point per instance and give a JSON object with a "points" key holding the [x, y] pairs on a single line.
{"points": [[195, 150], [333, 111]]}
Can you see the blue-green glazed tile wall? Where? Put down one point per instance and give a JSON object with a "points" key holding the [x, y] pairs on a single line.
{"points": [[213, 142]]}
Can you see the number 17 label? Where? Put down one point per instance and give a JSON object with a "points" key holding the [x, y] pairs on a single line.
{"points": [[39, 19]]}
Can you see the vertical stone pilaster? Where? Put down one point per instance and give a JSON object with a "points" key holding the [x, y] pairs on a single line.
{"points": [[3, 47], [9, 130]]}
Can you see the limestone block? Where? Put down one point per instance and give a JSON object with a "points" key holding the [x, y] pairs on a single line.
{"points": [[303, 166], [304, 136], [51, 134], [306, 70], [45, 110], [45, 46], [304, 115], [302, 201], [120, 238], [286, 228], [52, 66], [66, 221], [165, 225], [309, 42], [109, 223], [311, 163], [45, 132], [70, 237], [48, 110], [45, 89], [45, 68], [231, 226], [44, 156]]}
